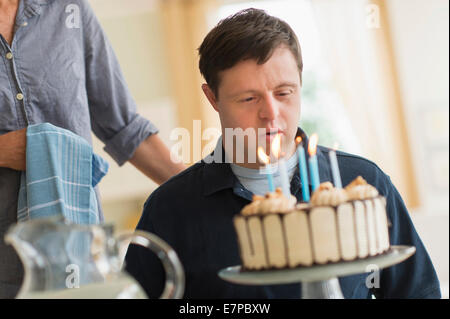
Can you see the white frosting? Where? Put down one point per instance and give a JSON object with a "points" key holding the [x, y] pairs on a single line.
{"points": [[358, 189], [270, 204], [338, 224]]}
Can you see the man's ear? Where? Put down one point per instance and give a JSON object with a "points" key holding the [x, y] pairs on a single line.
{"points": [[210, 96]]}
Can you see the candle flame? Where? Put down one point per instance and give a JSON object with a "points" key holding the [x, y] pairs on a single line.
{"points": [[276, 146], [298, 140], [312, 147], [263, 156]]}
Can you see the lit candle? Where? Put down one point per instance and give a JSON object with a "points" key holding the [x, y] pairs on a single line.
{"points": [[266, 160], [303, 169], [276, 150], [335, 167], [313, 167]]}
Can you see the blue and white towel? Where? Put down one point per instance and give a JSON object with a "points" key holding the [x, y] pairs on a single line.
{"points": [[61, 174]]}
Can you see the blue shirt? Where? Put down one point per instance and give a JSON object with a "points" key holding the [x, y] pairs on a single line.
{"points": [[60, 69], [193, 212], [67, 74]]}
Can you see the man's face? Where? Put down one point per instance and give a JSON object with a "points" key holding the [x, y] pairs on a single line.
{"points": [[265, 96]]}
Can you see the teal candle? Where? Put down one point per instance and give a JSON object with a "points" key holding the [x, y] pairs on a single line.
{"points": [[313, 167], [314, 172], [303, 172], [266, 160], [270, 179]]}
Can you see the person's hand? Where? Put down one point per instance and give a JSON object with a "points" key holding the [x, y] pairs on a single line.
{"points": [[13, 150]]}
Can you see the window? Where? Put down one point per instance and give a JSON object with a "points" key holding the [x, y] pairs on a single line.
{"points": [[322, 111]]}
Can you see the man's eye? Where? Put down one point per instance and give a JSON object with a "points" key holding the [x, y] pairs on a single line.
{"points": [[248, 99], [284, 93]]}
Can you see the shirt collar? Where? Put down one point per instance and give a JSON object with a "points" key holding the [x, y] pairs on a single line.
{"points": [[30, 8], [218, 176]]}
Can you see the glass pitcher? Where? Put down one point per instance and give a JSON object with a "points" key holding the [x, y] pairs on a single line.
{"points": [[71, 261]]}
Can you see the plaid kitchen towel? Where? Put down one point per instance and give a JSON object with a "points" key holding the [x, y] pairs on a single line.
{"points": [[61, 174]]}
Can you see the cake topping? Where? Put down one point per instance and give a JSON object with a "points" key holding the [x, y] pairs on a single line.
{"points": [[357, 182], [325, 186], [302, 206], [271, 203], [360, 189], [252, 208], [326, 195]]}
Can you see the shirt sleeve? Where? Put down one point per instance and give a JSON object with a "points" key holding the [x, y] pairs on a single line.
{"points": [[415, 277], [112, 109]]}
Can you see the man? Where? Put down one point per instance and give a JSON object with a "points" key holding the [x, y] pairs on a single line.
{"points": [[57, 66], [252, 65]]}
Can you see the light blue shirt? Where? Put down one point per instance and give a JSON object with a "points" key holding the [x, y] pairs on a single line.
{"points": [[255, 180], [61, 69]]}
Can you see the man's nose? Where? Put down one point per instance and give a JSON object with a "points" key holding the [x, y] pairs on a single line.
{"points": [[269, 108]]}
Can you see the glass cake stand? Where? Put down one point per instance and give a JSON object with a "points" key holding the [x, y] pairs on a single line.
{"points": [[318, 282]]}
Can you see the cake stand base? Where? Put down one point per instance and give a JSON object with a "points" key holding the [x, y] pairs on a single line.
{"points": [[318, 282], [326, 289]]}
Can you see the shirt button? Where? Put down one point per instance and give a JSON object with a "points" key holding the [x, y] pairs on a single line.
{"points": [[19, 96], [24, 24], [9, 55]]}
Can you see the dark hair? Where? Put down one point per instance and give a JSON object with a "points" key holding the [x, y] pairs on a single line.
{"points": [[248, 34]]}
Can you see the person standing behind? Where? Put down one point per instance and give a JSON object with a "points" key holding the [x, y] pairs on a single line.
{"points": [[57, 66]]}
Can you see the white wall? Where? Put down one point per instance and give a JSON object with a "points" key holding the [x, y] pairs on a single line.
{"points": [[419, 30]]}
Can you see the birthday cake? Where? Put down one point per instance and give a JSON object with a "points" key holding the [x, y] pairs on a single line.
{"points": [[275, 232]]}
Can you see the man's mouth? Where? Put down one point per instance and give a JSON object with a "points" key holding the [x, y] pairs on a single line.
{"points": [[270, 134], [273, 132]]}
